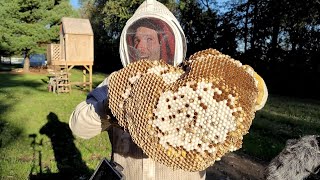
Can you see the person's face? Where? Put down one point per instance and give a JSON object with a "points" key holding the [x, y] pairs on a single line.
{"points": [[147, 44]]}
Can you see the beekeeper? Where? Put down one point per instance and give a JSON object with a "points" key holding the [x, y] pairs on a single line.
{"points": [[152, 33]]}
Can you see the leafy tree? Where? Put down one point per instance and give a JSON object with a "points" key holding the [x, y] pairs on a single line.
{"points": [[199, 22], [28, 25], [108, 17], [278, 38], [227, 36]]}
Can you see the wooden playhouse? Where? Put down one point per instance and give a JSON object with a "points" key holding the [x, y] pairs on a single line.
{"points": [[75, 48]]}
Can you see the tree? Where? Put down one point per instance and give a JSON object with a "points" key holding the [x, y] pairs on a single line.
{"points": [[227, 36], [199, 23], [28, 25], [108, 17]]}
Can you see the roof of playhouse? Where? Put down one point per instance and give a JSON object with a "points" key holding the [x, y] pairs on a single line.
{"points": [[76, 26]]}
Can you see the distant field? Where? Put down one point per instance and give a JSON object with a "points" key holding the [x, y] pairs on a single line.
{"points": [[35, 141]]}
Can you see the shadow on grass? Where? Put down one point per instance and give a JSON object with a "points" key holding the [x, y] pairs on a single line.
{"points": [[8, 132], [9, 67], [67, 156], [270, 131], [9, 80]]}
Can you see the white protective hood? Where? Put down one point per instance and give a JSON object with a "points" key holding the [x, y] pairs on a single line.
{"points": [[154, 10]]}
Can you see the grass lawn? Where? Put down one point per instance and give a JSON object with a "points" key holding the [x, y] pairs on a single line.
{"points": [[35, 140], [281, 119]]}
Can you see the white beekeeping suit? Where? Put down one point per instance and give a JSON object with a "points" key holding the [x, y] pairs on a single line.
{"points": [[89, 117]]}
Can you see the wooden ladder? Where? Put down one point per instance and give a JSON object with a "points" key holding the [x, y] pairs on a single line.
{"points": [[62, 81]]}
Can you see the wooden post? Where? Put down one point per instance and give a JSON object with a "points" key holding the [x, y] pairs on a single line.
{"points": [[84, 72], [90, 77]]}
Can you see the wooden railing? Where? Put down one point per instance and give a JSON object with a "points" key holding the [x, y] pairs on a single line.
{"points": [[54, 54]]}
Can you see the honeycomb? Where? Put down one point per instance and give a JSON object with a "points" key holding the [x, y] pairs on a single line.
{"points": [[185, 117]]}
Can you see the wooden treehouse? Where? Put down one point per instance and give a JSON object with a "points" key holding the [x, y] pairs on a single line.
{"points": [[75, 49]]}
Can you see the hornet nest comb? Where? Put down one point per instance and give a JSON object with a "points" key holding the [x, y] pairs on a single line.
{"points": [[187, 117]]}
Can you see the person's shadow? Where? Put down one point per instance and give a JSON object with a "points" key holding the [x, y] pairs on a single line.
{"points": [[67, 156]]}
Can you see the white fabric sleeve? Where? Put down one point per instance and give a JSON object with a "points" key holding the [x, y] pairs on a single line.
{"points": [[86, 120]]}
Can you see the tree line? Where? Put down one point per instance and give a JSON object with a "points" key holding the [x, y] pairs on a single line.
{"points": [[279, 39], [27, 26]]}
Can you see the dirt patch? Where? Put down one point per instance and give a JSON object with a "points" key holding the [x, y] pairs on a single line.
{"points": [[38, 70], [32, 70], [236, 167]]}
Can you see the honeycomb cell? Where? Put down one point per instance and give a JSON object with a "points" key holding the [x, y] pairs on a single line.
{"points": [[185, 119]]}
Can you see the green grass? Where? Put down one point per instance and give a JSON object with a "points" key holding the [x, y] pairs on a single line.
{"points": [[33, 127], [25, 105], [281, 119]]}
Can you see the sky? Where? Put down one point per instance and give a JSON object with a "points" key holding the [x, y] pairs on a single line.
{"points": [[75, 3]]}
